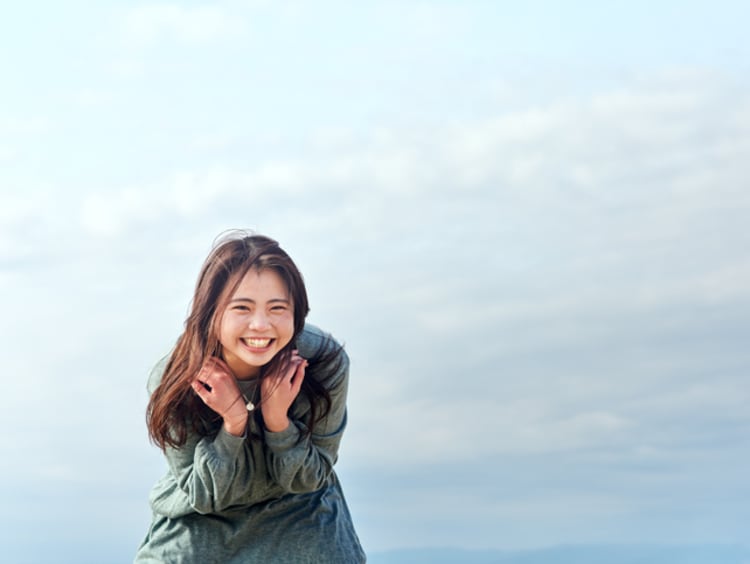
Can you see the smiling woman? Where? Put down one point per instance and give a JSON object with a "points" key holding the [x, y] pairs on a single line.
{"points": [[249, 409]]}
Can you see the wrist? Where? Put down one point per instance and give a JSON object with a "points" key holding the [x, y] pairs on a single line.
{"points": [[236, 426], [276, 424]]}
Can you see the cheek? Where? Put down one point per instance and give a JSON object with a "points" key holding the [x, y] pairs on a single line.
{"points": [[224, 328], [287, 328]]}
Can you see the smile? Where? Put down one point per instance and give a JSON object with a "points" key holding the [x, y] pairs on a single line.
{"points": [[256, 343]]}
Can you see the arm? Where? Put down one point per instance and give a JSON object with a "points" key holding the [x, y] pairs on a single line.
{"points": [[206, 473], [301, 465]]}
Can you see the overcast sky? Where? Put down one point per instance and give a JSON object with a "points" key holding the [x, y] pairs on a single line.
{"points": [[527, 221]]}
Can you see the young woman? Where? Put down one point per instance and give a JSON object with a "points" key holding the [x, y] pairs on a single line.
{"points": [[249, 409]]}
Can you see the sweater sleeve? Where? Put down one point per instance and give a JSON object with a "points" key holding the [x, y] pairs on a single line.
{"points": [[300, 462], [210, 471]]}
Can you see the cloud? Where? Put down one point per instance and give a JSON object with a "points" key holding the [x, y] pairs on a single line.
{"points": [[147, 24], [563, 286], [565, 162]]}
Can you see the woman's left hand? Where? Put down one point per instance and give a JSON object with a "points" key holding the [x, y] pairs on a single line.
{"points": [[279, 390]]}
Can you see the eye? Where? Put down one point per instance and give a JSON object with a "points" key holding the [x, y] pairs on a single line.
{"points": [[241, 308], [278, 308]]}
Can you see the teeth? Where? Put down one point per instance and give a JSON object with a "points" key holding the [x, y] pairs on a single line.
{"points": [[258, 343]]}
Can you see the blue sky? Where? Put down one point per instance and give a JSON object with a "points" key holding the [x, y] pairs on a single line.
{"points": [[526, 222]]}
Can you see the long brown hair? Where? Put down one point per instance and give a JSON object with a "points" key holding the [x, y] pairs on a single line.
{"points": [[174, 410]]}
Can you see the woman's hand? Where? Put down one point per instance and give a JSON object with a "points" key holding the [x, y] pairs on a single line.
{"points": [[279, 390], [216, 386]]}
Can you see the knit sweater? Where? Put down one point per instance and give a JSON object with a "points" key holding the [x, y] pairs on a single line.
{"points": [[277, 499]]}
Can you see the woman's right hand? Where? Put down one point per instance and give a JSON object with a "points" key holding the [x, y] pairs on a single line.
{"points": [[216, 386], [279, 390]]}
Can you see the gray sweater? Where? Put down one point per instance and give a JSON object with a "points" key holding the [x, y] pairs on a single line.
{"points": [[228, 499]]}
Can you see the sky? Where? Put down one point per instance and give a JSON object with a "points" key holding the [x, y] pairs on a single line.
{"points": [[524, 220]]}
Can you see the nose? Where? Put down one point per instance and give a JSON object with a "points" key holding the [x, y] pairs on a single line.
{"points": [[259, 321]]}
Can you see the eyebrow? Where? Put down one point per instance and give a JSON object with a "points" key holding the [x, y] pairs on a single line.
{"points": [[272, 300]]}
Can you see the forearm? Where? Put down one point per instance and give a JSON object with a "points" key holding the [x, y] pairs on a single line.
{"points": [[300, 462], [210, 476]]}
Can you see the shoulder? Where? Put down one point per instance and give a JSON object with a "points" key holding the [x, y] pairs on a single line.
{"points": [[313, 342], [157, 372], [326, 355]]}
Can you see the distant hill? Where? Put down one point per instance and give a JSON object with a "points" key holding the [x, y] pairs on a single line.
{"points": [[600, 554]]}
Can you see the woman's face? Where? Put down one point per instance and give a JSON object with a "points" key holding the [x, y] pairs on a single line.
{"points": [[257, 323]]}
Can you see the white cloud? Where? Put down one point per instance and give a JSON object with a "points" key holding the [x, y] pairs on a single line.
{"points": [[149, 23], [566, 162], [107, 215], [564, 281], [471, 429]]}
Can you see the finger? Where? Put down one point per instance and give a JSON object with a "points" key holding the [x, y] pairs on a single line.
{"points": [[292, 370], [299, 376], [221, 365], [216, 363], [202, 379], [269, 385], [214, 371], [293, 356], [205, 375], [285, 372], [200, 389], [210, 366]]}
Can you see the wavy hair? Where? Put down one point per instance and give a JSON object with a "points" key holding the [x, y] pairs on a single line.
{"points": [[174, 410]]}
